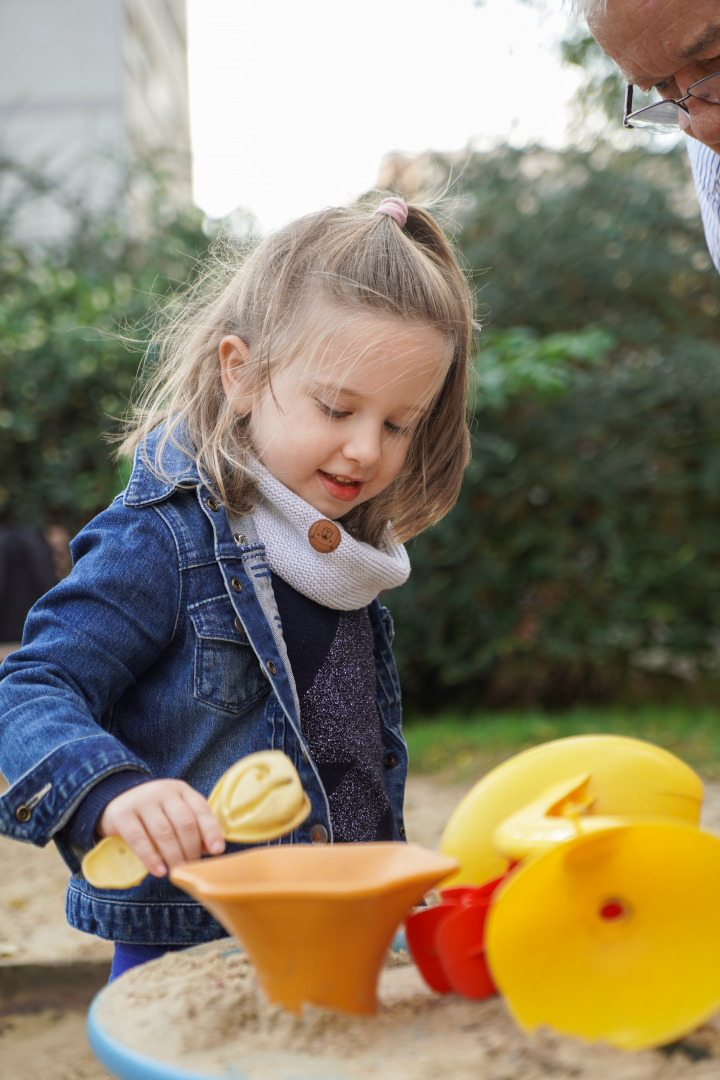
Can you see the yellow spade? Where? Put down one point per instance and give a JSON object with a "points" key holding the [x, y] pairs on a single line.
{"points": [[561, 813], [613, 936], [258, 799], [568, 781]]}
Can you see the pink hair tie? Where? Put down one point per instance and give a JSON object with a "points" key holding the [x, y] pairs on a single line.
{"points": [[394, 208]]}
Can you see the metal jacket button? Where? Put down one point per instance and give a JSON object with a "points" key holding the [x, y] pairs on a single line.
{"points": [[402, 832], [318, 835], [239, 626], [23, 813], [390, 761], [240, 538], [270, 666], [236, 584], [212, 504]]}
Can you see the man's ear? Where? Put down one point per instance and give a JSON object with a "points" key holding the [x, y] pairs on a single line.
{"points": [[235, 373]]}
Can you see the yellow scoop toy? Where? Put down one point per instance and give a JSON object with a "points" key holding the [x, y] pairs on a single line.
{"points": [[258, 799]]}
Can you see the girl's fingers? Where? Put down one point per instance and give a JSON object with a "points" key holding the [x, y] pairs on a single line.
{"points": [[174, 831], [165, 822], [211, 837], [136, 837]]}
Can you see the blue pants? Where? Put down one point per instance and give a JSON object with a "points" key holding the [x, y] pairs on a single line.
{"points": [[128, 956]]}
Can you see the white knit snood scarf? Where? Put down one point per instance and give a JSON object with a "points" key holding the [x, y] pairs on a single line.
{"points": [[347, 578]]}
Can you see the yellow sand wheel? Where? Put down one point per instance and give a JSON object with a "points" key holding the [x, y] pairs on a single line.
{"points": [[613, 936], [614, 776]]}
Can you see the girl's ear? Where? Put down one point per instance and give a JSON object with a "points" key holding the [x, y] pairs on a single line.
{"points": [[235, 373]]}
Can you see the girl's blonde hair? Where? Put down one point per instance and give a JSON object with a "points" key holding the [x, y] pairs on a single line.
{"points": [[351, 259]]}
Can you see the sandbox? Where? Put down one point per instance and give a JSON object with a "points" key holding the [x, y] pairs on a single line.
{"points": [[201, 1014]]}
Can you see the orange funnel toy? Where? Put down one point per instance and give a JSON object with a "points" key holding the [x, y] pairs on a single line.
{"points": [[316, 921]]}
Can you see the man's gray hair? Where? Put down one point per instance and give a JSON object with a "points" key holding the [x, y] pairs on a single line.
{"points": [[585, 9]]}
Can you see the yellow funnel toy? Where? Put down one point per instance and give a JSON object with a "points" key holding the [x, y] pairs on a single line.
{"points": [[613, 936], [317, 921], [599, 775]]}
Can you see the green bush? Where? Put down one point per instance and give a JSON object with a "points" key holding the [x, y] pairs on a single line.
{"points": [[582, 559], [558, 241], [66, 366]]}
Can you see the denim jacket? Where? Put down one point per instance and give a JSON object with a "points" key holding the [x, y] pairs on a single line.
{"points": [[161, 652]]}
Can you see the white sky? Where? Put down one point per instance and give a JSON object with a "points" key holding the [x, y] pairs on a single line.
{"points": [[295, 102]]}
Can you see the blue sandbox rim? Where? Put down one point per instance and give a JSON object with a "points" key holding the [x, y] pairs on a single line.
{"points": [[128, 1064]]}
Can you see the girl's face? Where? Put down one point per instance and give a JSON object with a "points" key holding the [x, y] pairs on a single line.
{"points": [[336, 430]]}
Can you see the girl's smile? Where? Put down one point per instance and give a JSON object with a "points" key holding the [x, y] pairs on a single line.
{"points": [[336, 429], [341, 487]]}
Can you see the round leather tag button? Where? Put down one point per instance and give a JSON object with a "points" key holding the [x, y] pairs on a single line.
{"points": [[324, 535]]}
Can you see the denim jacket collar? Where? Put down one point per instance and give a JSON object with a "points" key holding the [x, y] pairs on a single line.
{"points": [[146, 487]]}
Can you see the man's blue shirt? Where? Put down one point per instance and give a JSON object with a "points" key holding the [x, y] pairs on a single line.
{"points": [[705, 165]]}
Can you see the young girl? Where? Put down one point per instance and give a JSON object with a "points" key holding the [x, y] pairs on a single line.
{"points": [[307, 417]]}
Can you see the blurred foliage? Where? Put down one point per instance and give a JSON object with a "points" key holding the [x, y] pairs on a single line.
{"points": [[66, 366], [517, 361], [581, 561], [602, 91], [596, 237], [582, 558]]}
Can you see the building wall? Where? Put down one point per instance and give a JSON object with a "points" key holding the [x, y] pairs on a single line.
{"points": [[91, 89], [155, 88]]}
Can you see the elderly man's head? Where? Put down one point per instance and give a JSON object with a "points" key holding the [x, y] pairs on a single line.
{"points": [[666, 44]]}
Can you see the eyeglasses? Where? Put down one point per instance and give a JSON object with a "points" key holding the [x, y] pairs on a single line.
{"points": [[668, 114]]}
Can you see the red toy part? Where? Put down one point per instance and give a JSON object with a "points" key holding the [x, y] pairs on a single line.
{"points": [[420, 934], [460, 943], [447, 941]]}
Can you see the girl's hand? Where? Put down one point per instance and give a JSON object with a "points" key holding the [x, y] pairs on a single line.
{"points": [[165, 822]]}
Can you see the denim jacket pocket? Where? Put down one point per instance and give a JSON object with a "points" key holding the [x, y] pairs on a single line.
{"points": [[227, 674]]}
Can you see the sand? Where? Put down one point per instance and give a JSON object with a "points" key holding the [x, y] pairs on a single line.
{"points": [[204, 1011], [416, 1034]]}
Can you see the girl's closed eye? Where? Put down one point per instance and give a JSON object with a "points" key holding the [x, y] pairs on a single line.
{"points": [[403, 431], [331, 410]]}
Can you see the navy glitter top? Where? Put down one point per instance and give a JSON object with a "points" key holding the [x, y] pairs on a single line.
{"points": [[331, 657]]}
